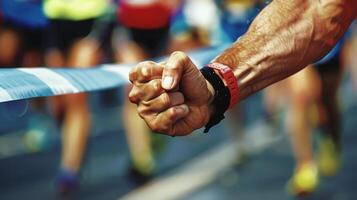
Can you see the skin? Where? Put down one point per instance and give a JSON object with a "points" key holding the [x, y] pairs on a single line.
{"points": [[284, 38], [74, 108], [136, 130]]}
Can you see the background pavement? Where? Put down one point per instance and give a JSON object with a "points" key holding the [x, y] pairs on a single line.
{"points": [[263, 173]]}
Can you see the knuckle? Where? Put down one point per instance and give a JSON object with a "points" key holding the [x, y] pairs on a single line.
{"points": [[172, 114], [145, 64], [144, 73], [165, 99], [146, 103], [142, 110], [134, 95], [141, 64], [141, 115], [144, 70], [149, 62], [132, 75], [159, 127], [156, 85], [154, 126], [181, 59], [180, 54], [132, 100]]}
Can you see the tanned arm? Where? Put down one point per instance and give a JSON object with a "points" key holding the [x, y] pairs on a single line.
{"points": [[285, 37]]}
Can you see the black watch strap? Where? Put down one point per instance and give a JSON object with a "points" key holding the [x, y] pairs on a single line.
{"points": [[221, 99]]}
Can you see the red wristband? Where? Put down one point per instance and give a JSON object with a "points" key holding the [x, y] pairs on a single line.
{"points": [[231, 81]]}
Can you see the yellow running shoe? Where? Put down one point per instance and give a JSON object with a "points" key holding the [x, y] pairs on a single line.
{"points": [[328, 157], [144, 163], [304, 180]]}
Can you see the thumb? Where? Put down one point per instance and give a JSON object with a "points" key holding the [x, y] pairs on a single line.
{"points": [[174, 69]]}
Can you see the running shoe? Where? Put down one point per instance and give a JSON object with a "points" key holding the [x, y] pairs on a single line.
{"points": [[39, 135], [144, 165], [329, 156], [66, 181], [304, 181]]}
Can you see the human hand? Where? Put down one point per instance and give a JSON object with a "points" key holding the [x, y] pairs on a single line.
{"points": [[172, 97]]}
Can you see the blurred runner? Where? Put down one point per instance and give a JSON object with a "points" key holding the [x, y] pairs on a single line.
{"points": [[69, 43], [21, 44], [146, 35], [21, 34], [304, 89], [312, 103]]}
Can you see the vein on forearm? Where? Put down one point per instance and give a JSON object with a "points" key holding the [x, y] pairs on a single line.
{"points": [[285, 37]]}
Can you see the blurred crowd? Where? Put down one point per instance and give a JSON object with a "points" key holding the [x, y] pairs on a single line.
{"points": [[86, 33]]}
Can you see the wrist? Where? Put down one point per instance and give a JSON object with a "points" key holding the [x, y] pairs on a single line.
{"points": [[210, 105], [211, 92], [220, 97]]}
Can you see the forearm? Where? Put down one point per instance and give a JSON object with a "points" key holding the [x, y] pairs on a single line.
{"points": [[285, 37]]}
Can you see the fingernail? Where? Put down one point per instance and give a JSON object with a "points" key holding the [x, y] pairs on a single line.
{"points": [[167, 82]]}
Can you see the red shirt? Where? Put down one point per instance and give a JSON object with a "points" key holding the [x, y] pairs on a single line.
{"points": [[144, 14]]}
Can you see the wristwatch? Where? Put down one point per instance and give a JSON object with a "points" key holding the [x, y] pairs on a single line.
{"points": [[231, 81], [226, 90]]}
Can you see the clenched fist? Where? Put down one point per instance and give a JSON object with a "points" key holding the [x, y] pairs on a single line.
{"points": [[172, 97]]}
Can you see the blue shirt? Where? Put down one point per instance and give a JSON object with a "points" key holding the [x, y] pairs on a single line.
{"points": [[24, 13]]}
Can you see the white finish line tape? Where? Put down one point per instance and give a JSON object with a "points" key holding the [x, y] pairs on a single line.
{"points": [[25, 83]]}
